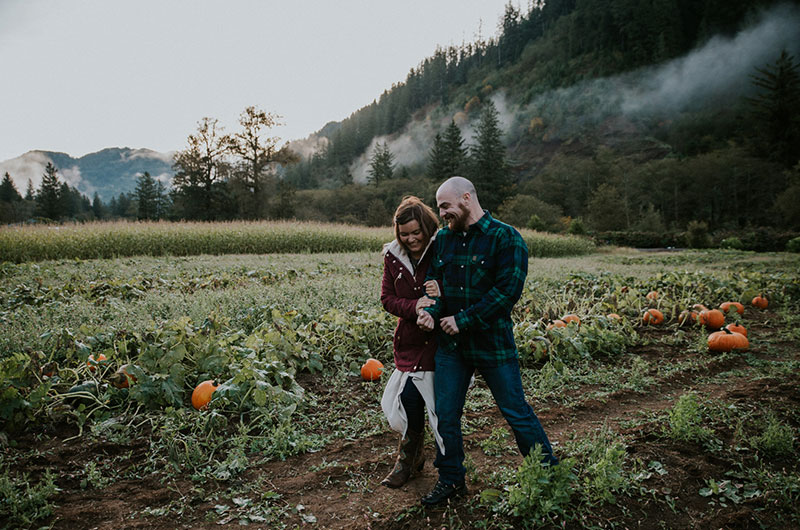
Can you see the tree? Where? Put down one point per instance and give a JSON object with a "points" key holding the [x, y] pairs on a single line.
{"points": [[257, 151], [777, 109], [48, 203], [200, 171], [8, 191], [98, 208], [607, 209], [381, 164], [147, 198], [448, 155], [490, 172]]}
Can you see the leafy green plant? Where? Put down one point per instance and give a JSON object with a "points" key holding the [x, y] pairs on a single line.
{"points": [[777, 438], [541, 491], [601, 470], [23, 503], [686, 420]]}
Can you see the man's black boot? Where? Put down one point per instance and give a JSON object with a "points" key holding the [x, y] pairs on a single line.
{"points": [[442, 492]]}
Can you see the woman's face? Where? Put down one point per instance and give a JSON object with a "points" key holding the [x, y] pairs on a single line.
{"points": [[412, 237]]}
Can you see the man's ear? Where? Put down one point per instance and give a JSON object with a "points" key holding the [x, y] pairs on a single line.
{"points": [[466, 197]]}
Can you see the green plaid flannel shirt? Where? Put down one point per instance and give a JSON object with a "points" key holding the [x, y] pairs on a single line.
{"points": [[481, 273]]}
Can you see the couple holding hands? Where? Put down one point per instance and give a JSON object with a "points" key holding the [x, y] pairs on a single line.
{"points": [[453, 291]]}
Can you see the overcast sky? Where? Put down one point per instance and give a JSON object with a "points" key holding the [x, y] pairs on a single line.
{"points": [[81, 75]]}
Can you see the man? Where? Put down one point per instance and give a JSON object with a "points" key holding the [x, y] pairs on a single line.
{"points": [[481, 265]]}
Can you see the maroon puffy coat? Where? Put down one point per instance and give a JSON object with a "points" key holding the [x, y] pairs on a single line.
{"points": [[413, 348]]}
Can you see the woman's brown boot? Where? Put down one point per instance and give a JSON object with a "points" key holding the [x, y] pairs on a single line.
{"points": [[409, 460]]}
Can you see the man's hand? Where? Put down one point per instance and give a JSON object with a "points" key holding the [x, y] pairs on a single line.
{"points": [[432, 288], [449, 325], [424, 302], [425, 321]]}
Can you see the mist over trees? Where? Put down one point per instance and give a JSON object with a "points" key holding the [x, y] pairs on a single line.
{"points": [[577, 115]]}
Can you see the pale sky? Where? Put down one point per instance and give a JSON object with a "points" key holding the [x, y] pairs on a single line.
{"points": [[78, 76]]}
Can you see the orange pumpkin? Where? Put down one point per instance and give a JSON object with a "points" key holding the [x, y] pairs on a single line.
{"points": [[699, 307], [571, 318], [726, 306], [613, 316], [652, 295], [712, 318], [201, 396], [653, 316], [687, 317], [736, 328], [557, 324], [726, 340], [371, 369], [122, 378], [760, 302], [93, 362]]}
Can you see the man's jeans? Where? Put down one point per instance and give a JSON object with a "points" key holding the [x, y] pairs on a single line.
{"points": [[450, 386]]}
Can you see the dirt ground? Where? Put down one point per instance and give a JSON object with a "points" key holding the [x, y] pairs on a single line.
{"points": [[323, 482]]}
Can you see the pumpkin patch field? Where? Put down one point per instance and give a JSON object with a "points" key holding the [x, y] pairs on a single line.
{"points": [[226, 391]]}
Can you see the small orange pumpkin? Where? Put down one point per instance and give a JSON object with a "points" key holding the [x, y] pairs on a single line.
{"points": [[613, 316], [726, 340], [760, 302], [726, 306], [699, 307], [201, 396], [371, 369], [653, 316], [122, 378], [571, 318], [736, 328], [652, 295], [711, 318], [687, 317], [93, 362], [557, 324]]}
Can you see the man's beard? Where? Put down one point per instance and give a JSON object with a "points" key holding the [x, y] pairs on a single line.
{"points": [[458, 222]]}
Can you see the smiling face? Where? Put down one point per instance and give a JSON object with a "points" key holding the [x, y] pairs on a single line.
{"points": [[453, 209], [412, 238]]}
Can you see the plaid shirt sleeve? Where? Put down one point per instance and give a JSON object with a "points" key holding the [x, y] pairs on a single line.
{"points": [[435, 273], [512, 268]]}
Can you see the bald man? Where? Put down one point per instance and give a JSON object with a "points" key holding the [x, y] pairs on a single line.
{"points": [[481, 265]]}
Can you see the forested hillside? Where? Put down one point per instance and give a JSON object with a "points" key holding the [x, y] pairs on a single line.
{"points": [[628, 115]]}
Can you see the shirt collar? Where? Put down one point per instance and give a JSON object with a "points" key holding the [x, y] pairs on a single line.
{"points": [[483, 223]]}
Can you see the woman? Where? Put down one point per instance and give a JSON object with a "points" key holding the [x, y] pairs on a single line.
{"points": [[409, 390]]}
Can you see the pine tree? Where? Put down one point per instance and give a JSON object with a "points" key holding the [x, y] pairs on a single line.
{"points": [[98, 208], [777, 109], [437, 169], [456, 154], [146, 195], [30, 192], [8, 191], [48, 203], [490, 172], [381, 164]]}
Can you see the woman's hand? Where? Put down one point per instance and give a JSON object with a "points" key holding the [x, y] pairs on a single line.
{"points": [[424, 302], [432, 288]]}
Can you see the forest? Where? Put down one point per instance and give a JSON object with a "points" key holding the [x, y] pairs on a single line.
{"points": [[657, 124]]}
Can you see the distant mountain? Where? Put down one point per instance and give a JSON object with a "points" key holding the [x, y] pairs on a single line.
{"points": [[108, 172]]}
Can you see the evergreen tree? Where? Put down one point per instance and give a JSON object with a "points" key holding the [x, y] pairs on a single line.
{"points": [[147, 198], [8, 191], [381, 164], [30, 192], [490, 172], [437, 169], [777, 109], [456, 154], [98, 208], [48, 197]]}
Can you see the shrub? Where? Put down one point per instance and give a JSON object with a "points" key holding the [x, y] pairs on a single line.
{"points": [[731, 243], [793, 245], [697, 235], [686, 420], [777, 438]]}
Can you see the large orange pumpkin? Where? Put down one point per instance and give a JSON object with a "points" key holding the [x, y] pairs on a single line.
{"points": [[726, 340], [725, 306], [760, 302], [653, 316], [201, 396], [712, 318], [571, 318], [736, 328], [371, 369], [652, 296], [557, 324]]}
